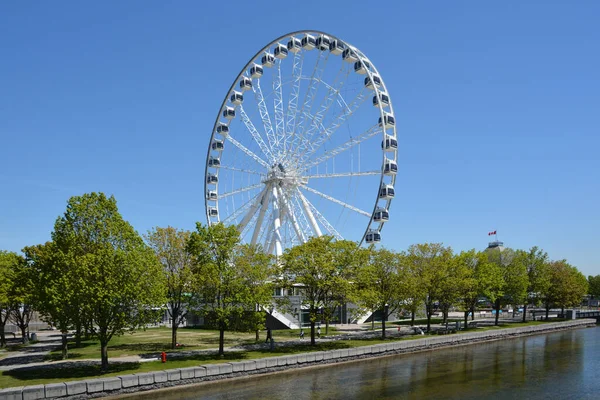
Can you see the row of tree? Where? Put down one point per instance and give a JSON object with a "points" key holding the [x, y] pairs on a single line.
{"points": [[428, 275], [99, 277]]}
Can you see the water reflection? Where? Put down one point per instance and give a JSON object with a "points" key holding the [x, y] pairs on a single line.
{"points": [[560, 365]]}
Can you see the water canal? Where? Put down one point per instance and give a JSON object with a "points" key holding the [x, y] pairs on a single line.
{"points": [[562, 365]]}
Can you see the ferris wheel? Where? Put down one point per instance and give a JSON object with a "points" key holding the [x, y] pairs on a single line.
{"points": [[304, 144]]}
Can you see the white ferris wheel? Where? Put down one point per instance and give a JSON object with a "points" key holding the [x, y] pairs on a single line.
{"points": [[304, 145]]}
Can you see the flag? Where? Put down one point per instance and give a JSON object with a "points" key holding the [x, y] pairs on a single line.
{"points": [[491, 233]]}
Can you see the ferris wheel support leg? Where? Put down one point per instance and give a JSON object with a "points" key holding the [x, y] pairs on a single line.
{"points": [[276, 222], [252, 211], [311, 217], [261, 215], [290, 211]]}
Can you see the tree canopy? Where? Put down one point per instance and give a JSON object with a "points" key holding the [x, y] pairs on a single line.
{"points": [[119, 275], [231, 280]]}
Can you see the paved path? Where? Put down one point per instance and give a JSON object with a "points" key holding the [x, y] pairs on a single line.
{"points": [[32, 354]]}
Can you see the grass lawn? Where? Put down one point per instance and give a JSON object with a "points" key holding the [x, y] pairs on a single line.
{"points": [[158, 339]]}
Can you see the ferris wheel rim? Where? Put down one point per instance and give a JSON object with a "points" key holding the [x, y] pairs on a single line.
{"points": [[371, 71]]}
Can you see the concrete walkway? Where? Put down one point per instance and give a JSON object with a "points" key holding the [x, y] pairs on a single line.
{"points": [[31, 354]]}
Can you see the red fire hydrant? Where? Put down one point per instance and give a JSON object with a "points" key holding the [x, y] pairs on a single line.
{"points": [[163, 357]]}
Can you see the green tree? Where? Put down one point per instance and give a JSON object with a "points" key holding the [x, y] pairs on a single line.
{"points": [[8, 264], [256, 269], [515, 278], [313, 266], [536, 263], [482, 278], [347, 257], [57, 292], [567, 287], [170, 247], [119, 274], [594, 285], [431, 263], [229, 277], [411, 287], [21, 296], [380, 284]]}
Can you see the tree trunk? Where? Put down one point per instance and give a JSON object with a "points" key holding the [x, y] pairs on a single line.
{"points": [[466, 318], [373, 322], [2, 335], [525, 313], [428, 310], [383, 318], [312, 333], [472, 313], [445, 311], [174, 335], [222, 341], [497, 312], [257, 335], [78, 333], [412, 319], [547, 311], [327, 327], [64, 346], [24, 334], [104, 353]]}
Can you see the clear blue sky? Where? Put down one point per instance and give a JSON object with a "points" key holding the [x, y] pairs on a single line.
{"points": [[497, 103]]}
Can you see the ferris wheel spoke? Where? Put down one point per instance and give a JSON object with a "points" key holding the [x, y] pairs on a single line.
{"points": [[309, 97], [333, 92], [245, 171], [338, 120], [255, 135], [278, 106], [343, 174], [339, 202], [264, 115], [247, 151], [315, 212], [372, 131], [239, 211], [241, 190], [292, 107], [261, 214]]}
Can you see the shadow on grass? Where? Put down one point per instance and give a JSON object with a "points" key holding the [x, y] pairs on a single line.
{"points": [[83, 344], [67, 370], [58, 356], [141, 347]]}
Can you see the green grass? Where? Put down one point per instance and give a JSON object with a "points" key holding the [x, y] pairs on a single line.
{"points": [[159, 338], [156, 340]]}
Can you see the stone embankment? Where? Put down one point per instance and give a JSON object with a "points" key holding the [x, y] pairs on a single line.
{"points": [[120, 385]]}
